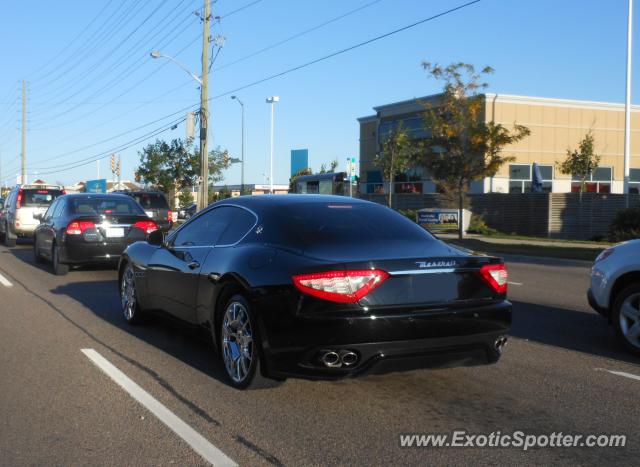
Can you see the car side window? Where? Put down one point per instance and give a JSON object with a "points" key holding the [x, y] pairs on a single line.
{"points": [[59, 208], [206, 229], [239, 226], [50, 212]]}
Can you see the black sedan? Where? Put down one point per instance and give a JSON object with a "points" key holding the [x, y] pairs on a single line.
{"points": [[83, 229], [319, 287]]}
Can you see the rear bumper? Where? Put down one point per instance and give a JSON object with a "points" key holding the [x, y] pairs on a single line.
{"points": [[392, 342], [92, 253], [165, 226]]}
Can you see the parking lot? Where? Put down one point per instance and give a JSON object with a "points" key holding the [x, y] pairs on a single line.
{"points": [[563, 371]]}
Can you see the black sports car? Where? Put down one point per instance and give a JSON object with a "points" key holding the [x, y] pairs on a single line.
{"points": [[319, 287], [89, 228]]}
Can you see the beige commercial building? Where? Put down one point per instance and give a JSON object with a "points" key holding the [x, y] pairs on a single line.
{"points": [[556, 125]]}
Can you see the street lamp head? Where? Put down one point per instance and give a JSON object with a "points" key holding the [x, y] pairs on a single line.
{"points": [[272, 99], [155, 54]]}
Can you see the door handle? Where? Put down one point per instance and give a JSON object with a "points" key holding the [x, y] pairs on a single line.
{"points": [[193, 265]]}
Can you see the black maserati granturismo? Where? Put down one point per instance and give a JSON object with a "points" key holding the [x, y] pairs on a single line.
{"points": [[319, 287]]}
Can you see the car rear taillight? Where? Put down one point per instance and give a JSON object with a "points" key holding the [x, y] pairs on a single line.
{"points": [[496, 276], [79, 227], [19, 200], [146, 226], [340, 286]]}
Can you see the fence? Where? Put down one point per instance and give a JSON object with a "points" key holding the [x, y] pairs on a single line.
{"points": [[556, 215]]}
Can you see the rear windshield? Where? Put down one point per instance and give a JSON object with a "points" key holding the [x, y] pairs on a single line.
{"points": [[151, 200], [34, 197], [104, 205], [330, 223]]}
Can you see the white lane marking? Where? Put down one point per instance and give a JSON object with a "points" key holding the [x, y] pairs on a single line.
{"points": [[4, 281], [194, 439], [620, 373], [514, 283]]}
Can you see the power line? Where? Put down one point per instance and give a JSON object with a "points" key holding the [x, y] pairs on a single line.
{"points": [[312, 62], [297, 35]]}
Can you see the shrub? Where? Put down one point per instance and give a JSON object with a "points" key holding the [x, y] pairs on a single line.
{"points": [[408, 213], [625, 225], [479, 226]]}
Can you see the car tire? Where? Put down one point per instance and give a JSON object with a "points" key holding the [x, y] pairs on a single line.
{"points": [[59, 269], [239, 346], [36, 251], [9, 240], [626, 318], [129, 304]]}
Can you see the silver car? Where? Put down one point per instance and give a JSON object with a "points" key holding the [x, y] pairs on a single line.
{"points": [[21, 206]]}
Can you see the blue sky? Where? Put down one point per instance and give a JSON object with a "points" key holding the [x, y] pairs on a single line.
{"points": [[90, 82]]}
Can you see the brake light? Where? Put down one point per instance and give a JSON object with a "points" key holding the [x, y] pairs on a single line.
{"points": [[146, 226], [496, 276], [79, 227], [63, 192], [340, 286], [19, 200]]}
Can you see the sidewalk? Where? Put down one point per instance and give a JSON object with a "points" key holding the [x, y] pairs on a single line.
{"points": [[584, 251], [522, 241]]}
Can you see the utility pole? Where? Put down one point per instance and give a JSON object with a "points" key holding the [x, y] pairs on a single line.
{"points": [[627, 106], [23, 174], [203, 199]]}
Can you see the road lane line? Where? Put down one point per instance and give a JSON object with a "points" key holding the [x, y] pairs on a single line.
{"points": [[620, 373], [194, 439], [514, 283], [5, 282]]}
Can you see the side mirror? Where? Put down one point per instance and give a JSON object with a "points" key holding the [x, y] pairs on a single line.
{"points": [[39, 216], [156, 238]]}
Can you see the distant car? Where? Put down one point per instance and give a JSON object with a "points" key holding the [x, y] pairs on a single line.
{"points": [[81, 229], [319, 287], [21, 206], [156, 207], [188, 212], [615, 291]]}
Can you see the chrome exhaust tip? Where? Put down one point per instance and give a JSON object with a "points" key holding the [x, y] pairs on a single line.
{"points": [[330, 359], [500, 343], [349, 358]]}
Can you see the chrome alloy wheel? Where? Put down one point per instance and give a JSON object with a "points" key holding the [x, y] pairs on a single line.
{"points": [[128, 294], [237, 341], [630, 319]]}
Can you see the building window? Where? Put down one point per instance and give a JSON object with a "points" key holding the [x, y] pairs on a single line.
{"points": [[634, 181], [374, 182], [520, 176], [597, 182], [414, 126]]}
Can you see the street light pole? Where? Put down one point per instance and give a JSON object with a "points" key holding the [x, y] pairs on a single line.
{"points": [[627, 106], [272, 100], [242, 146]]}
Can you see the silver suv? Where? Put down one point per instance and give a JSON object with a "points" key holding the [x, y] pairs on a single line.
{"points": [[23, 203]]}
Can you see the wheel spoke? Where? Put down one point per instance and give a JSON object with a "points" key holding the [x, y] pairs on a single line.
{"points": [[237, 341], [634, 332], [628, 311]]}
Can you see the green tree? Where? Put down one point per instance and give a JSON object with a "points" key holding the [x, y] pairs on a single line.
{"points": [[185, 198], [175, 165], [581, 162], [463, 147], [333, 165], [397, 153]]}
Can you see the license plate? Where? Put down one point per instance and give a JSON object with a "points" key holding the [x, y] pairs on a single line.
{"points": [[115, 232], [149, 213]]}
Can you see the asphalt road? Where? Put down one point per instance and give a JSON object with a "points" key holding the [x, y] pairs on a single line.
{"points": [[57, 407]]}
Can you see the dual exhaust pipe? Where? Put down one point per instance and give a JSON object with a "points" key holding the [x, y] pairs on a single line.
{"points": [[338, 359], [500, 343]]}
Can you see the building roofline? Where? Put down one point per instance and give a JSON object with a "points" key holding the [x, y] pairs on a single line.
{"points": [[368, 118]]}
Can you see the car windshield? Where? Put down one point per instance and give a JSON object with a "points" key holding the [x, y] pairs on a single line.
{"points": [[151, 200], [33, 197], [104, 205]]}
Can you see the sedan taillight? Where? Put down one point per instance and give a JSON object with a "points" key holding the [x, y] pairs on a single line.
{"points": [[340, 286], [79, 227], [496, 276], [146, 226]]}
